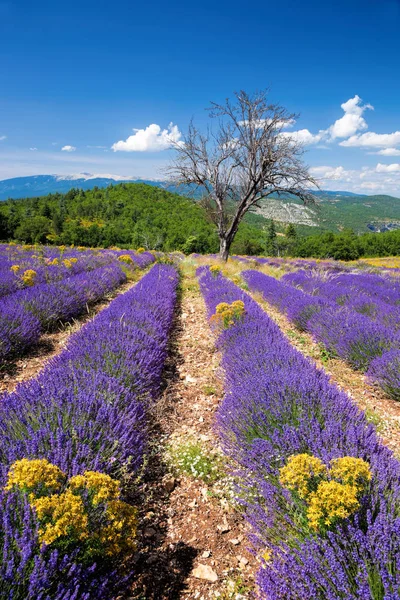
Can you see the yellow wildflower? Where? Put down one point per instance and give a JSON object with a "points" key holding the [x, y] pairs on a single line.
{"points": [[140, 250], [67, 263], [120, 533], [221, 307], [15, 268], [331, 501], [267, 554], [350, 470], [215, 270], [35, 476], [300, 471], [29, 277], [227, 314], [126, 259], [61, 515], [238, 306], [102, 486]]}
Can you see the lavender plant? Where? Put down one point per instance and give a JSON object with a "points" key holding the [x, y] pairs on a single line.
{"points": [[85, 413], [278, 405]]}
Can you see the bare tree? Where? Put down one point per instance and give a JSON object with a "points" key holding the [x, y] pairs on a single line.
{"points": [[247, 159]]}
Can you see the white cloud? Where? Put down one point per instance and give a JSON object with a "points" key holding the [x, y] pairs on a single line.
{"points": [[348, 125], [393, 168], [33, 149], [260, 123], [325, 173], [151, 139], [382, 179], [3, 137], [68, 149], [88, 176], [388, 152], [352, 121], [303, 136], [373, 140]]}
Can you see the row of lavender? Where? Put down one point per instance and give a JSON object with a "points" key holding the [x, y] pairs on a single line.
{"points": [[25, 266], [320, 491], [355, 316], [27, 313], [72, 447]]}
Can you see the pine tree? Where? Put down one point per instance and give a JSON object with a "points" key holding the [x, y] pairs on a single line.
{"points": [[291, 231], [271, 239]]}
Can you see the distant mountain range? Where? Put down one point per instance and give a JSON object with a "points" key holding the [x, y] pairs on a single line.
{"points": [[40, 185], [336, 209]]}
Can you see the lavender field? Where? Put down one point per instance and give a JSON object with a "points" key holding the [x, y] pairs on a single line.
{"points": [[320, 491], [182, 445]]}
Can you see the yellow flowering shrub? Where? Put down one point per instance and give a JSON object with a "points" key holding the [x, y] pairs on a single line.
{"points": [[35, 477], [140, 250], [328, 494], [119, 535], [351, 471], [29, 277], [222, 307], [330, 502], [267, 554], [54, 262], [67, 263], [125, 258], [227, 315], [101, 487], [61, 515], [84, 512], [15, 268], [301, 473], [215, 270]]}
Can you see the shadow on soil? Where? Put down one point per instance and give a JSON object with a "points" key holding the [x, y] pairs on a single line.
{"points": [[161, 569]]}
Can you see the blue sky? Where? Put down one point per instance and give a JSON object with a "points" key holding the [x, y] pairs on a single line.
{"points": [[76, 78]]}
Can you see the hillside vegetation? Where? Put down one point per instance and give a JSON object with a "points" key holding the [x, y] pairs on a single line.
{"points": [[137, 214], [336, 212], [125, 214]]}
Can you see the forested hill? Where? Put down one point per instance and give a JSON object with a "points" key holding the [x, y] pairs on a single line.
{"points": [[335, 212], [133, 214], [338, 211]]}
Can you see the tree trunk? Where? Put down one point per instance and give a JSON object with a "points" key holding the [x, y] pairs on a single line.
{"points": [[224, 246]]}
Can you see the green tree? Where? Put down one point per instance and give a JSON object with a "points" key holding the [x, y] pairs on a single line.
{"points": [[34, 230], [291, 232], [270, 245]]}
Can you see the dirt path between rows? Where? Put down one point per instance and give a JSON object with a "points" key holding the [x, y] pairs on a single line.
{"points": [[28, 366], [193, 541], [380, 409]]}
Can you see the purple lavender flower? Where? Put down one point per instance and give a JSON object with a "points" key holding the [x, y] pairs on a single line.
{"points": [[277, 403], [86, 411], [385, 371]]}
